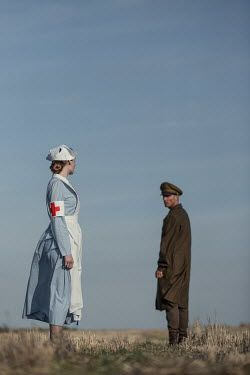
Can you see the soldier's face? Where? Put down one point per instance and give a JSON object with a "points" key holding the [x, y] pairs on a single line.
{"points": [[170, 200]]}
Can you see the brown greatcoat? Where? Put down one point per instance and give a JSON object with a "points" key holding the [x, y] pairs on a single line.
{"points": [[174, 259]]}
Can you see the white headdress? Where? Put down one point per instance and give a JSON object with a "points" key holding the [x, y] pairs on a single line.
{"points": [[61, 152]]}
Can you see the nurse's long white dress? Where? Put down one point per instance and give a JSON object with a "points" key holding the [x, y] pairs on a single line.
{"points": [[54, 294]]}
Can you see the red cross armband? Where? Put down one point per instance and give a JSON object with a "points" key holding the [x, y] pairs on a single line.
{"points": [[56, 208]]}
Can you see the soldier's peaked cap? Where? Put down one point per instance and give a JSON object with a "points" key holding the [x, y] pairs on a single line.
{"points": [[170, 189]]}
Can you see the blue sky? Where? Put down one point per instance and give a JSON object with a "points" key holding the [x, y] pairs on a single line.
{"points": [[145, 91]]}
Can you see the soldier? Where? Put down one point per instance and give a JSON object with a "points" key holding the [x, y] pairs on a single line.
{"points": [[173, 272]]}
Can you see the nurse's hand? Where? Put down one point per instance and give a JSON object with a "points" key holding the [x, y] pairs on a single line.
{"points": [[68, 261]]}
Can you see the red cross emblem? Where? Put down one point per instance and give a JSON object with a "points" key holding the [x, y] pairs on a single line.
{"points": [[54, 209]]}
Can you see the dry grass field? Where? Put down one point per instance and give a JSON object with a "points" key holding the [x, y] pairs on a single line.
{"points": [[211, 349]]}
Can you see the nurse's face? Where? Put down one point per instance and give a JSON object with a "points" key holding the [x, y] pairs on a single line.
{"points": [[72, 165]]}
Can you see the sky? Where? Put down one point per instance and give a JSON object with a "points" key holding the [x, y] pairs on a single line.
{"points": [[145, 91]]}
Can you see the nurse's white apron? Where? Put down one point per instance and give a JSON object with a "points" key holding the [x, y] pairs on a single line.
{"points": [[76, 302]]}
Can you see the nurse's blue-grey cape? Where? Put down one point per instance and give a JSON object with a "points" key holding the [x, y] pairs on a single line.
{"points": [[54, 293]]}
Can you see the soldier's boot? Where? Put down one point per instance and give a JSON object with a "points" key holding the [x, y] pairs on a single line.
{"points": [[182, 337], [173, 337]]}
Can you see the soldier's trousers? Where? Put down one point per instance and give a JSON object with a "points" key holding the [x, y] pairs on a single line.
{"points": [[177, 318]]}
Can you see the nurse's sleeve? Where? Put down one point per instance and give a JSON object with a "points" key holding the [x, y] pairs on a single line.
{"points": [[56, 207]]}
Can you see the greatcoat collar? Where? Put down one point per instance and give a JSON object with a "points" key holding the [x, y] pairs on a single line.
{"points": [[179, 205], [172, 210]]}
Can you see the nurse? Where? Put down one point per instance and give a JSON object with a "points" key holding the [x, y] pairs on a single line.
{"points": [[54, 293]]}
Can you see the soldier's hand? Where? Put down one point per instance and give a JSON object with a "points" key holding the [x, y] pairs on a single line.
{"points": [[68, 261], [158, 274]]}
